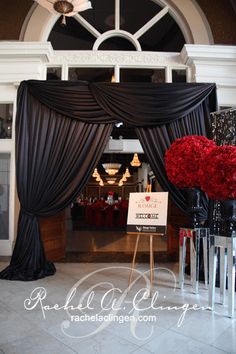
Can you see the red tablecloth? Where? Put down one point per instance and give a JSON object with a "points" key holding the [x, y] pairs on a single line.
{"points": [[102, 214]]}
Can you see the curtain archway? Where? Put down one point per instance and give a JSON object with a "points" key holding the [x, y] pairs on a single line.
{"points": [[61, 131]]}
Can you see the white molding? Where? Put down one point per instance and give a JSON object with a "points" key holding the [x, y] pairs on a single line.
{"points": [[116, 33], [23, 61], [6, 247], [41, 51], [121, 58], [215, 63], [208, 53]]}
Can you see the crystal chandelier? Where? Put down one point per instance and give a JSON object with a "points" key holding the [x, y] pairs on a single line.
{"points": [[111, 168], [123, 179], [95, 173], [65, 8], [111, 180], [127, 173], [135, 162]]}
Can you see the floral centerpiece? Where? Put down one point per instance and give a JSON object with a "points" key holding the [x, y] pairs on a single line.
{"points": [[183, 158], [217, 177], [217, 173], [182, 163]]}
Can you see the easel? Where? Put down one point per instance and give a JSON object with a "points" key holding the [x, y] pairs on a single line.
{"points": [[151, 235]]}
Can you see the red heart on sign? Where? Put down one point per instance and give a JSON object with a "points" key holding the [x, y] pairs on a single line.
{"points": [[147, 198]]}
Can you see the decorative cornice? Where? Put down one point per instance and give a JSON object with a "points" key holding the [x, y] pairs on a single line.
{"points": [[208, 53], [106, 58], [26, 50]]}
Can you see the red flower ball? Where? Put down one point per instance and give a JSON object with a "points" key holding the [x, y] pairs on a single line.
{"points": [[218, 173], [183, 158]]}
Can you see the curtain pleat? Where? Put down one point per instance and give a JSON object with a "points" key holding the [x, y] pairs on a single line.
{"points": [[156, 140], [55, 156]]}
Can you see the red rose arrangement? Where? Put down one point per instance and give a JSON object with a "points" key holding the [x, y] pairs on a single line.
{"points": [[111, 193], [217, 173], [183, 158]]}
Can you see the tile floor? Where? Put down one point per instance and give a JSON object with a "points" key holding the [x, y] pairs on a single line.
{"points": [[25, 331]]}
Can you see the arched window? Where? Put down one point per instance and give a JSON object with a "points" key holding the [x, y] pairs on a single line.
{"points": [[120, 25]]}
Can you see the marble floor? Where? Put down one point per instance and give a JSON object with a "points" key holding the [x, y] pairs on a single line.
{"points": [[102, 317]]}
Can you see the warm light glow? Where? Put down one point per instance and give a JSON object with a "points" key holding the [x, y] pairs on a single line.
{"points": [[127, 173], [120, 184], [111, 180], [98, 179], [113, 78], [101, 183], [111, 168], [95, 173], [123, 179], [135, 162]]}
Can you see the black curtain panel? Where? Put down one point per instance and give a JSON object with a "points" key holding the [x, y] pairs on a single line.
{"points": [[156, 140], [55, 156], [61, 131]]}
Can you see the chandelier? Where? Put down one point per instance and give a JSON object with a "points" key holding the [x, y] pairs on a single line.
{"points": [[127, 173], [95, 173], [65, 8], [111, 180], [135, 162], [111, 168]]}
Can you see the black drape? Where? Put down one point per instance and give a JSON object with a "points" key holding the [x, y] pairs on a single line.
{"points": [[137, 104], [61, 131], [55, 157], [145, 104], [156, 140]]}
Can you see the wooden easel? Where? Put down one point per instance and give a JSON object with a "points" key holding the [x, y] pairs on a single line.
{"points": [[151, 235]]}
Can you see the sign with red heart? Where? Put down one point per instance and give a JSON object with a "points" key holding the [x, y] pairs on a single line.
{"points": [[147, 212]]}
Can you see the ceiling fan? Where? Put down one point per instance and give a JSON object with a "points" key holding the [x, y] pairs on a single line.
{"points": [[65, 7]]}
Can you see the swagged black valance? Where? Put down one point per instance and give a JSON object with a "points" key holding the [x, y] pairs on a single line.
{"points": [[62, 129], [138, 104]]}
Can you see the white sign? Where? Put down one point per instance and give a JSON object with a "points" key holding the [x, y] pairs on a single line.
{"points": [[147, 212]]}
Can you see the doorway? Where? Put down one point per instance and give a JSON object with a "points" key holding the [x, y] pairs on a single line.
{"points": [[96, 220]]}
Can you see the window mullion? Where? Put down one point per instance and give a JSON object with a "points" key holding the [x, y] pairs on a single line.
{"points": [[117, 14], [152, 22]]}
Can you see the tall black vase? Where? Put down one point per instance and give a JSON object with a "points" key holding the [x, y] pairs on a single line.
{"points": [[194, 206], [228, 215]]}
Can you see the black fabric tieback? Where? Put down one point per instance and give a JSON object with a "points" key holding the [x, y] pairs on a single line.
{"points": [[28, 213]]}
